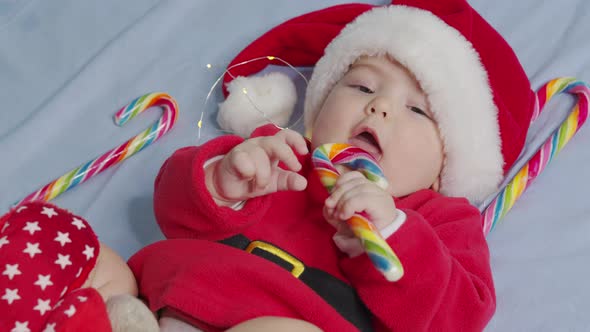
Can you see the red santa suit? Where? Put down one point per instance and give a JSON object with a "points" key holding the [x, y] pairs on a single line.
{"points": [[46, 255], [447, 284]]}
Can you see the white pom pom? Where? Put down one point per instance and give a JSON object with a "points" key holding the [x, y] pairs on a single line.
{"points": [[274, 94]]}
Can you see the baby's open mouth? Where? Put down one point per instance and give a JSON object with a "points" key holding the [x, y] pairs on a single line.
{"points": [[368, 142]]}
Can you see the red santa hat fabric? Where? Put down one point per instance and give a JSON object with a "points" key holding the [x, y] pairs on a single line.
{"points": [[477, 89]]}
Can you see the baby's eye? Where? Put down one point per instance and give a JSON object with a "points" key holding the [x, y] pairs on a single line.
{"points": [[418, 110], [363, 88]]}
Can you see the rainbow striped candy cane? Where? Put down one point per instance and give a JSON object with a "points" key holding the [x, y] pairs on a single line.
{"points": [[120, 153], [324, 159], [529, 172]]}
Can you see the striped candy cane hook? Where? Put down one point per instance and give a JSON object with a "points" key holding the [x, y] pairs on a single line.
{"points": [[552, 146], [121, 152], [324, 159]]}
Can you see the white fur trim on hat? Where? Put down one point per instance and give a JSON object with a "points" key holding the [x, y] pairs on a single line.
{"points": [[450, 73], [256, 100]]}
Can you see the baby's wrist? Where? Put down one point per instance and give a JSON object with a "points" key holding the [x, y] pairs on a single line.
{"points": [[210, 168], [384, 222], [392, 227]]}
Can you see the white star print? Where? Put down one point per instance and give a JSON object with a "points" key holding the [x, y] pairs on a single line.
{"points": [[4, 240], [10, 295], [42, 306], [82, 298], [50, 328], [63, 238], [4, 227], [11, 271], [78, 223], [32, 249], [43, 281], [88, 251], [21, 327], [49, 212], [32, 227], [63, 261], [71, 311]]}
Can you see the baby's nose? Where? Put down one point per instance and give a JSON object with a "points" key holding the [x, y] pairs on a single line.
{"points": [[378, 112], [381, 106]]}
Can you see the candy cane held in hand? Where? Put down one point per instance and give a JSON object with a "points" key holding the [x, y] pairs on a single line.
{"points": [[120, 153], [324, 159], [553, 145]]}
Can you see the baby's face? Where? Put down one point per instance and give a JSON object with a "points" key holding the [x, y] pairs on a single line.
{"points": [[379, 106]]}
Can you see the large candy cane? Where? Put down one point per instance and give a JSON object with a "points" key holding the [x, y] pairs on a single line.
{"points": [[324, 159], [120, 153], [529, 172]]}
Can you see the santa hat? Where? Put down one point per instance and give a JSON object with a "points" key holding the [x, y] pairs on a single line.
{"points": [[477, 89]]}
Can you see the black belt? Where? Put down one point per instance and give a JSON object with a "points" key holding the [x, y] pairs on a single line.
{"points": [[336, 292]]}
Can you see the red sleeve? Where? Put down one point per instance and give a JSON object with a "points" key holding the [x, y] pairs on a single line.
{"points": [[447, 285], [184, 207]]}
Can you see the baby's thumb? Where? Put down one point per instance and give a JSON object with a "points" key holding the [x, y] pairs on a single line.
{"points": [[329, 216], [344, 238], [341, 226]]}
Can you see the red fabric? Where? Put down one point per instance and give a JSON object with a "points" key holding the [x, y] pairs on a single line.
{"points": [[81, 310], [46, 253], [301, 42], [447, 286]]}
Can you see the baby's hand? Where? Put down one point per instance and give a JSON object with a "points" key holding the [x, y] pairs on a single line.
{"points": [[354, 193], [251, 168]]}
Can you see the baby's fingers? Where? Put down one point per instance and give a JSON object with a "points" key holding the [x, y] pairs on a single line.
{"points": [[279, 151], [284, 145], [357, 200], [287, 180], [344, 184], [242, 165], [329, 216], [262, 169], [294, 140], [251, 165]]}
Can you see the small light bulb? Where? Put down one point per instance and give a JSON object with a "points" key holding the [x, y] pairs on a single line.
{"points": [[209, 66], [270, 57], [245, 91], [200, 124]]}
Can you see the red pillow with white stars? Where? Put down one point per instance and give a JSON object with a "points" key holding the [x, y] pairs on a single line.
{"points": [[46, 255]]}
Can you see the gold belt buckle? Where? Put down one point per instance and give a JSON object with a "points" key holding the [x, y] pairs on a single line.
{"points": [[298, 266]]}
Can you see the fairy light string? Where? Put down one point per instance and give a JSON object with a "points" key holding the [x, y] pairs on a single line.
{"points": [[245, 92]]}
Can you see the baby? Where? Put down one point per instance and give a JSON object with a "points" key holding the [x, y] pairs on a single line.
{"points": [[255, 242], [378, 106]]}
